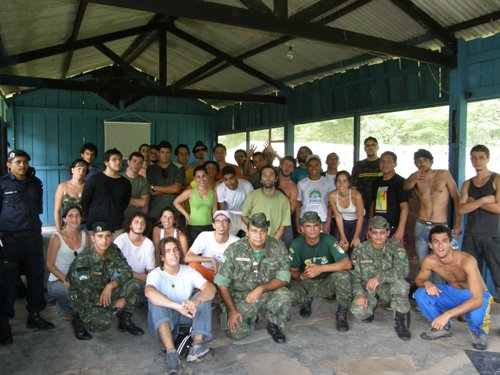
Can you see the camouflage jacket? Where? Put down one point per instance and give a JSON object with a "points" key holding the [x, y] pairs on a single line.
{"points": [[388, 267], [89, 274], [242, 273]]}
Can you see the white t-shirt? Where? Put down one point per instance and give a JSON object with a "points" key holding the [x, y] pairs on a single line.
{"points": [[206, 246], [314, 196], [140, 258], [331, 177], [234, 198], [178, 287]]}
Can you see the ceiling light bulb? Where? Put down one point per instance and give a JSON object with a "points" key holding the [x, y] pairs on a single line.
{"points": [[289, 54]]}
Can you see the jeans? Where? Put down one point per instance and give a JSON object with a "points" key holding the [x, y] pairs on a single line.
{"points": [[202, 322], [57, 291]]}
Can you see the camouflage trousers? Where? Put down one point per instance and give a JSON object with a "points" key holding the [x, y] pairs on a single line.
{"points": [[277, 303], [396, 293], [97, 318], [338, 283]]}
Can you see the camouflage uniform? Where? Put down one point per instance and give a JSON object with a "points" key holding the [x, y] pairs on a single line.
{"points": [[390, 267], [88, 275], [326, 284], [241, 274]]}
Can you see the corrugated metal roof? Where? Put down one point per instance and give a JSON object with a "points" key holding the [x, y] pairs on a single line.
{"points": [[27, 25]]}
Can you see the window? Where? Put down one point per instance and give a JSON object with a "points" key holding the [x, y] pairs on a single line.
{"points": [[325, 137], [405, 132], [276, 136], [233, 142]]}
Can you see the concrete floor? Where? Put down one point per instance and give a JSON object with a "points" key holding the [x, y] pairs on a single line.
{"points": [[313, 347]]}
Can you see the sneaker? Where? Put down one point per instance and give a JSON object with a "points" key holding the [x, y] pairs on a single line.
{"points": [[435, 334], [173, 363], [479, 340], [198, 352]]}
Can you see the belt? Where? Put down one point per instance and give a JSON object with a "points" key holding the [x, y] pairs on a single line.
{"points": [[430, 223]]}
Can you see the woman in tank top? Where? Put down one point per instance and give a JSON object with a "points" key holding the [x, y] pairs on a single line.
{"points": [[202, 202], [64, 247], [347, 206], [70, 192], [168, 227]]}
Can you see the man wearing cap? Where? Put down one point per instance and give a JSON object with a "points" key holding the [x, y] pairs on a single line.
{"points": [[270, 201], [253, 276], [380, 266], [102, 286], [313, 194], [366, 171], [230, 196], [319, 269], [207, 251], [432, 189], [21, 242]]}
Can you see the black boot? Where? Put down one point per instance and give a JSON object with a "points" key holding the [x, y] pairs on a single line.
{"points": [[400, 326], [305, 310], [5, 333], [342, 325], [80, 332], [36, 321], [275, 333], [126, 324]]}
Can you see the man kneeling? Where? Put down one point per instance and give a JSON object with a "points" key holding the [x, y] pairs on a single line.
{"points": [[169, 289], [465, 294]]}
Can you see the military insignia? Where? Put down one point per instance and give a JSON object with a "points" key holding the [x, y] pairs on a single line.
{"points": [[83, 277], [307, 261], [98, 229], [366, 261], [12, 155], [291, 250], [402, 255], [239, 259]]}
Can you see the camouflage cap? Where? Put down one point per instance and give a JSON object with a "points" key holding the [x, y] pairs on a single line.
{"points": [[259, 220], [378, 222], [100, 226], [310, 217]]}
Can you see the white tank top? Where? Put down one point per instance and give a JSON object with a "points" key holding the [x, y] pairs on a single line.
{"points": [[66, 255], [162, 233], [349, 213]]}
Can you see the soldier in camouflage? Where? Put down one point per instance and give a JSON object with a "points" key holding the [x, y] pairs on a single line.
{"points": [[101, 286], [254, 275], [318, 266], [380, 268]]}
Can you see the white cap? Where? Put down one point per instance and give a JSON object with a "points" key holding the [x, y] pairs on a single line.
{"points": [[221, 212]]}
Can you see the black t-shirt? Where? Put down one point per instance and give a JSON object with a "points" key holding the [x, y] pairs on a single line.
{"points": [[387, 197]]}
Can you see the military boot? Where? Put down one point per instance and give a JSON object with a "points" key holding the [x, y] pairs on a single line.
{"points": [[126, 324], [342, 325], [5, 333], [80, 332], [400, 326]]}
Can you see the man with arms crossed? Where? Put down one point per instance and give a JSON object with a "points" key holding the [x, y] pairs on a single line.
{"points": [[432, 189], [480, 200], [464, 294]]}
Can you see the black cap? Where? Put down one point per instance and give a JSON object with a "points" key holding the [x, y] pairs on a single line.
{"points": [[100, 226], [16, 153]]}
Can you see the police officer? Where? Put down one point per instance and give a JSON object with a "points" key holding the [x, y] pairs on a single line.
{"points": [[102, 286], [253, 276], [319, 268], [380, 268], [21, 238]]}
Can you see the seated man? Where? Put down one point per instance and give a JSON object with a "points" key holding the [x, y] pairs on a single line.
{"points": [[318, 266], [208, 249], [464, 294], [253, 276], [101, 286], [172, 302], [380, 268]]}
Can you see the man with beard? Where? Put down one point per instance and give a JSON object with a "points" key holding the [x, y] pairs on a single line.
{"points": [[301, 171], [289, 188], [140, 186]]}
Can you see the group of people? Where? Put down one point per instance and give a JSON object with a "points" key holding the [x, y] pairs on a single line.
{"points": [[172, 235]]}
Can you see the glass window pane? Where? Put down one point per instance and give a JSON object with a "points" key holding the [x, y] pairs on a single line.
{"points": [[324, 137], [483, 119], [405, 132], [278, 134], [233, 142]]}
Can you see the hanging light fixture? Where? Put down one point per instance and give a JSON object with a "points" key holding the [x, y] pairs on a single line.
{"points": [[289, 54]]}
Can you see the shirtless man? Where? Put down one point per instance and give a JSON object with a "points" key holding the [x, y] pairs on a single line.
{"points": [[480, 201], [464, 294], [288, 187], [432, 189]]}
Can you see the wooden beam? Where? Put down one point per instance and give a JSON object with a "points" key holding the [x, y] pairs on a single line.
{"points": [[281, 9], [162, 58], [257, 5], [100, 87], [77, 44], [429, 23], [216, 52], [228, 15], [77, 24], [490, 17]]}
